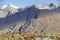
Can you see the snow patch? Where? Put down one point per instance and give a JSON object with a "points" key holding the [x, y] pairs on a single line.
{"points": [[8, 5], [42, 6]]}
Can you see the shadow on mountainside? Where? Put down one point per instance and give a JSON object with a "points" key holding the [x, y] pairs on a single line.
{"points": [[19, 17], [22, 15]]}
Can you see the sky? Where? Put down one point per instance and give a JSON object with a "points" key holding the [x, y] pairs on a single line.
{"points": [[23, 3]]}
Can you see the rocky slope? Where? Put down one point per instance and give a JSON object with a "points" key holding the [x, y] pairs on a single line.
{"points": [[38, 18]]}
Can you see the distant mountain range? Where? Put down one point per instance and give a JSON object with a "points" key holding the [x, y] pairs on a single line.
{"points": [[39, 18]]}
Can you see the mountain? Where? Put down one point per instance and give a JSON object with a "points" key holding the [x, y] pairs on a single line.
{"points": [[36, 18], [6, 8]]}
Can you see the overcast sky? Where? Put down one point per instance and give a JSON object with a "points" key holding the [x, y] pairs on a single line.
{"points": [[23, 3]]}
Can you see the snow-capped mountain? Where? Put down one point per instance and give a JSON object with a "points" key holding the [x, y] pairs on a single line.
{"points": [[46, 6], [6, 9], [41, 6], [7, 5], [38, 18]]}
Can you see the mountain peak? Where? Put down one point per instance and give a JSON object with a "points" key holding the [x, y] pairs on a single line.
{"points": [[42, 6], [6, 9], [8, 5], [46, 6]]}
